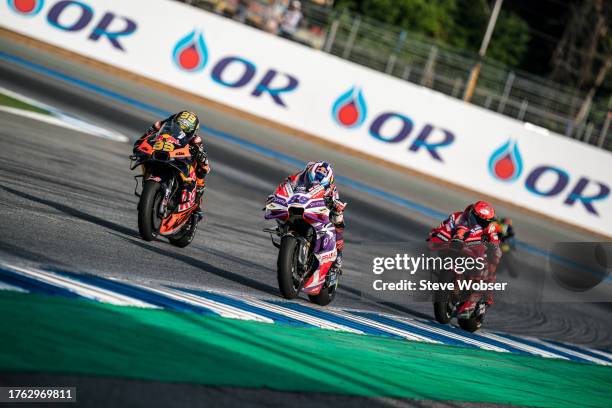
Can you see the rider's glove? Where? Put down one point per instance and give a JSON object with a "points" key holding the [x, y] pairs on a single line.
{"points": [[199, 154], [202, 157]]}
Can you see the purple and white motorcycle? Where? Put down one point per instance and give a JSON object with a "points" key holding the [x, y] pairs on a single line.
{"points": [[306, 240]]}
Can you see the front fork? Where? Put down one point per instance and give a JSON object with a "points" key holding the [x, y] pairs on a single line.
{"points": [[303, 251], [163, 205], [304, 245], [166, 185]]}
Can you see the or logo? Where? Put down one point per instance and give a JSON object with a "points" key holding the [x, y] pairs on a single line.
{"points": [[350, 108], [350, 111], [506, 163], [545, 180], [26, 7], [190, 53], [82, 19]]}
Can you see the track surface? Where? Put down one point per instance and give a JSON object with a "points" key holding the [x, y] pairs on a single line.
{"points": [[67, 200], [104, 392]]}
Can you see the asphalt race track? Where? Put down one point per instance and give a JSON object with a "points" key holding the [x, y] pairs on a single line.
{"points": [[67, 200]]}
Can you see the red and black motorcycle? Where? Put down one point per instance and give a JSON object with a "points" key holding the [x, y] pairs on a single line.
{"points": [[467, 305], [166, 208]]}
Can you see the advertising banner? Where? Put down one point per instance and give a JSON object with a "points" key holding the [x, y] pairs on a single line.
{"points": [[332, 99]]}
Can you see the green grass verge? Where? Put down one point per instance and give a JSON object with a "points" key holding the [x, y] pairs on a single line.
{"points": [[6, 100], [55, 334]]}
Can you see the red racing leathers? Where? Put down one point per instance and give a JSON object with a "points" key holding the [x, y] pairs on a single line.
{"points": [[459, 230], [458, 227]]}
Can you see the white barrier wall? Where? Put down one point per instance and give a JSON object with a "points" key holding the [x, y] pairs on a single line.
{"points": [[333, 99]]}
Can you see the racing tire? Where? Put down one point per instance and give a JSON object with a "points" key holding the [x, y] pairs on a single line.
{"points": [[443, 299], [287, 262], [147, 210], [186, 236], [325, 296], [442, 312], [470, 325]]}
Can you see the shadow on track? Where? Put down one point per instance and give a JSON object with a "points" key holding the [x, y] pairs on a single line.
{"points": [[132, 236], [206, 267], [29, 255], [73, 212]]}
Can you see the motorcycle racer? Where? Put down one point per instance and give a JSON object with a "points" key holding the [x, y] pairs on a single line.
{"points": [[322, 173], [505, 231], [475, 223], [507, 244], [189, 123]]}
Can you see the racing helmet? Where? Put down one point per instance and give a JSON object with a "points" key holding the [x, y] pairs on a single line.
{"points": [[188, 122], [320, 172], [481, 213]]}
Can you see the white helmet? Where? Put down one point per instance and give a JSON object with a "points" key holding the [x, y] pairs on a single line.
{"points": [[320, 172]]}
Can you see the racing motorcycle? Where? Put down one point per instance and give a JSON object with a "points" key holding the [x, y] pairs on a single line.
{"points": [[468, 306], [507, 246], [165, 207], [507, 262], [306, 240]]}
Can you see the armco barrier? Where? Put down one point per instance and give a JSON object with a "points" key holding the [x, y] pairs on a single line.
{"points": [[332, 99]]}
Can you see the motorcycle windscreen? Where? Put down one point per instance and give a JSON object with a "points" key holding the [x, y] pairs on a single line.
{"points": [[313, 189], [171, 132]]}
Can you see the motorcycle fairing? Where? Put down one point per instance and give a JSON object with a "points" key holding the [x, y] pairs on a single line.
{"points": [[174, 222], [326, 253], [310, 199], [169, 146]]}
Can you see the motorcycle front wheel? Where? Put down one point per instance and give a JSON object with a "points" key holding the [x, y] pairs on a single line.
{"points": [[288, 280], [443, 300], [148, 207], [443, 312]]}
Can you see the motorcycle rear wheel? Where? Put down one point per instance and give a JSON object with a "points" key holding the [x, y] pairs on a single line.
{"points": [[324, 297], [148, 210], [287, 264], [470, 325]]}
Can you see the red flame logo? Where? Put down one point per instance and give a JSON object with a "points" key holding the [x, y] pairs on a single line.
{"points": [[350, 109], [506, 163], [190, 53], [26, 7]]}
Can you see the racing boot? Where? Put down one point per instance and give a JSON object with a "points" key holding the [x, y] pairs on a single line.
{"points": [[200, 188], [335, 271]]}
